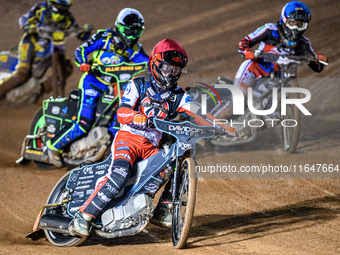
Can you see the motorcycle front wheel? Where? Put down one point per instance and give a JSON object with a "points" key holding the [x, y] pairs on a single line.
{"points": [[59, 193], [291, 121], [183, 210]]}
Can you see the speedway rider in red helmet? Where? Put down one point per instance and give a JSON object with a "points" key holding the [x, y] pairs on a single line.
{"points": [[157, 94]]}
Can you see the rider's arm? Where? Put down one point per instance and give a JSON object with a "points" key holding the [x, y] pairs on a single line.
{"points": [[95, 43], [84, 33], [307, 50], [259, 35], [125, 112], [189, 108], [29, 21]]}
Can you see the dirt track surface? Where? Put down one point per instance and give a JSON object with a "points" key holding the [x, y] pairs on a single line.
{"points": [[233, 216]]}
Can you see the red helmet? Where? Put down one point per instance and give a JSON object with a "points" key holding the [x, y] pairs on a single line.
{"points": [[167, 60]]}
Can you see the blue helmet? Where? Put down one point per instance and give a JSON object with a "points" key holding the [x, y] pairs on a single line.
{"points": [[294, 20]]}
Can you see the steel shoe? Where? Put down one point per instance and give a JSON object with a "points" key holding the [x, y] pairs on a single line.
{"points": [[162, 215], [54, 158], [80, 224]]}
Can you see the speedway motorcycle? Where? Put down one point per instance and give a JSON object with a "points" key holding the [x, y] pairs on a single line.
{"points": [[52, 57], [262, 100], [131, 210], [57, 112]]}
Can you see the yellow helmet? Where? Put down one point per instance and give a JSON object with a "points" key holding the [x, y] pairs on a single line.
{"points": [[59, 8]]}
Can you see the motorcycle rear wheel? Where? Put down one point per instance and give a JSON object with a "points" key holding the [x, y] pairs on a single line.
{"points": [[183, 210], [291, 130], [56, 195]]}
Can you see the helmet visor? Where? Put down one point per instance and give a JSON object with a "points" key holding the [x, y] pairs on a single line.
{"points": [[296, 24]]}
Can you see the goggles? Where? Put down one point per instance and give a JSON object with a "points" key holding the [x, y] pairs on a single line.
{"points": [[168, 69], [296, 24], [59, 8], [130, 33]]}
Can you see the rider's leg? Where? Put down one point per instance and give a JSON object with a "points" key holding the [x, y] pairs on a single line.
{"points": [[84, 122], [244, 78], [47, 83], [247, 74], [64, 137], [109, 187], [23, 69], [126, 147], [162, 215]]}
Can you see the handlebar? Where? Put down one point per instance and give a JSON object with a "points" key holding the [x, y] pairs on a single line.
{"points": [[57, 35], [285, 59], [190, 130]]}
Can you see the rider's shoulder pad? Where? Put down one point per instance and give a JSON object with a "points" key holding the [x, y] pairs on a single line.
{"points": [[137, 47], [104, 32], [266, 26]]}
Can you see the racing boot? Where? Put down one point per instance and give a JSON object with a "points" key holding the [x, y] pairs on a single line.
{"points": [[80, 225], [162, 215], [54, 158]]}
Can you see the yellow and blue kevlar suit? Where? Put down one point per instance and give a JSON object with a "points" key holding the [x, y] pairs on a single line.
{"points": [[32, 48], [105, 50]]}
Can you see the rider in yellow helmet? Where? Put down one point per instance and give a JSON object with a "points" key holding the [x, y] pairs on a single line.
{"points": [[53, 13]]}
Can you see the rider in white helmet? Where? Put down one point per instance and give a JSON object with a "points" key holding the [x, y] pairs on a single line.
{"points": [[107, 46]]}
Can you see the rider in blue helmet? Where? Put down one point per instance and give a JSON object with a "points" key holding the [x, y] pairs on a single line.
{"points": [[281, 38]]}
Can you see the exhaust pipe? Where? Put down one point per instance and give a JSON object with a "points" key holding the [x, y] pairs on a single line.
{"points": [[55, 223], [123, 232]]}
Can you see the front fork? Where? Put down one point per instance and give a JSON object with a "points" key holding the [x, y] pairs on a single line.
{"points": [[176, 181]]}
